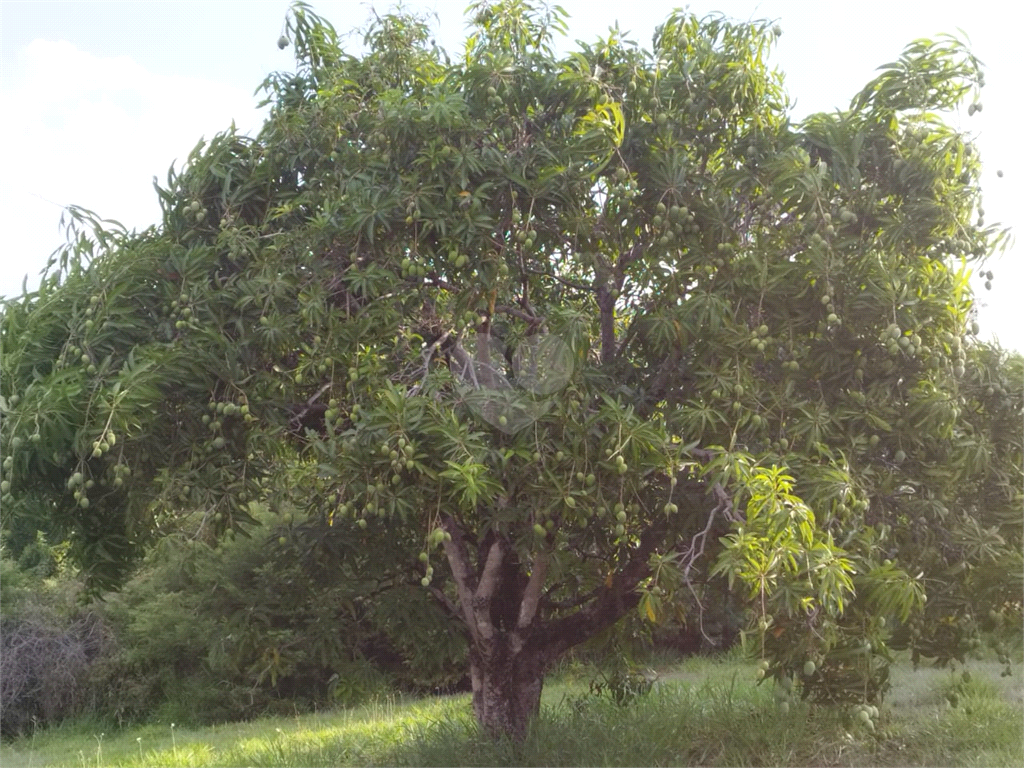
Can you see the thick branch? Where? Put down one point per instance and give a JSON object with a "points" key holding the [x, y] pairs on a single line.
{"points": [[485, 592], [575, 602], [703, 454], [531, 595], [533, 320], [478, 370], [611, 603], [466, 369], [608, 287], [606, 306], [465, 579]]}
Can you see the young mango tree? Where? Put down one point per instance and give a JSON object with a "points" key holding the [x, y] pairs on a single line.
{"points": [[559, 338]]}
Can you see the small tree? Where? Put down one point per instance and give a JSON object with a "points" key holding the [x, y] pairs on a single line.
{"points": [[560, 337]]}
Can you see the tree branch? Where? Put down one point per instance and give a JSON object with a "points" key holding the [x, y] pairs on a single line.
{"points": [[611, 602], [562, 280], [531, 595], [449, 607], [533, 320], [482, 365], [296, 420], [576, 602], [606, 306], [485, 591], [428, 355], [465, 579], [627, 258], [694, 551]]}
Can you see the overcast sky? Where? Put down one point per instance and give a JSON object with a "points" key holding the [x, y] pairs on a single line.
{"points": [[100, 97]]}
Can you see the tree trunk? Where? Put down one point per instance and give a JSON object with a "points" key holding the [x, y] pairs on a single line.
{"points": [[510, 645], [506, 689]]}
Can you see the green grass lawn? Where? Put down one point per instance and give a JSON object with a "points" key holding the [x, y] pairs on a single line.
{"points": [[700, 712]]}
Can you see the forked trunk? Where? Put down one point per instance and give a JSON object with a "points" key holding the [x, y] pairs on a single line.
{"points": [[506, 691], [510, 647]]}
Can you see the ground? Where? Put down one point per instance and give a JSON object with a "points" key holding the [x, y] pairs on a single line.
{"points": [[700, 712]]}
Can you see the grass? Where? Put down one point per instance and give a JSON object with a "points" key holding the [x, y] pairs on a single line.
{"points": [[700, 712]]}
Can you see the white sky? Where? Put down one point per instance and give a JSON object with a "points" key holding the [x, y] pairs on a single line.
{"points": [[99, 97]]}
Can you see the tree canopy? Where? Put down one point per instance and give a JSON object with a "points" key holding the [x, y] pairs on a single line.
{"points": [[558, 338]]}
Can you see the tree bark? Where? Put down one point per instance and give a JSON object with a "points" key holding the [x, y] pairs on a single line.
{"points": [[506, 689]]}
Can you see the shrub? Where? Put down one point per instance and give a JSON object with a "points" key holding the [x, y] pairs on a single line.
{"points": [[48, 646], [211, 632], [252, 625]]}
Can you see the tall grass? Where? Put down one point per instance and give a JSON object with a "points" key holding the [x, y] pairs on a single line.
{"points": [[700, 712]]}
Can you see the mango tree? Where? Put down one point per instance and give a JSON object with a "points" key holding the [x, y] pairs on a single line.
{"points": [[560, 338]]}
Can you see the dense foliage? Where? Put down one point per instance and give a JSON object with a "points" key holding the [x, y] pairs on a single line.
{"points": [[204, 634], [555, 339]]}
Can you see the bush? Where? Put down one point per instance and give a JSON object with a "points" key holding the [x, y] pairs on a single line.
{"points": [[45, 668], [252, 625], [49, 644], [216, 631]]}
